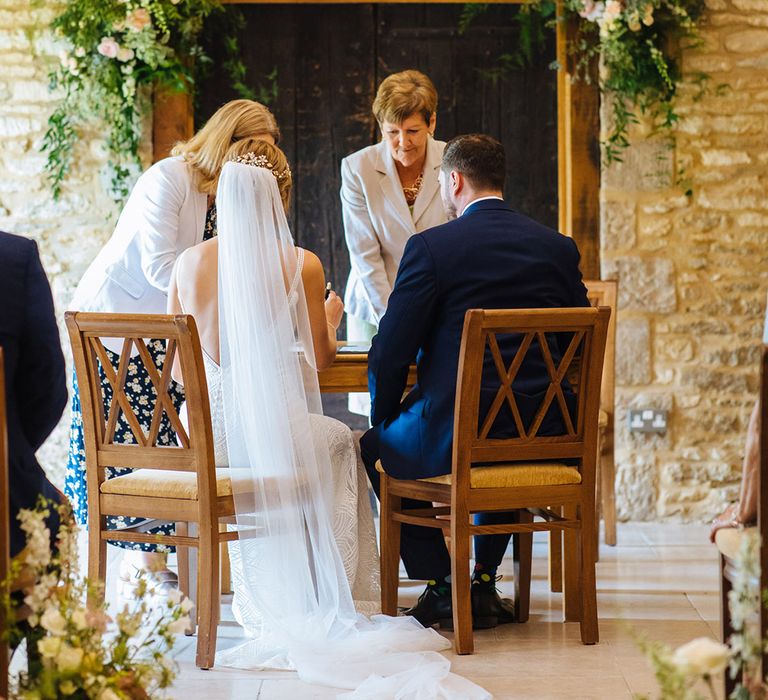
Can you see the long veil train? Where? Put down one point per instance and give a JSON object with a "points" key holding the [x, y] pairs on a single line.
{"points": [[293, 595]]}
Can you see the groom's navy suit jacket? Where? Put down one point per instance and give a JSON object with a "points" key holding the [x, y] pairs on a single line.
{"points": [[35, 381], [489, 258]]}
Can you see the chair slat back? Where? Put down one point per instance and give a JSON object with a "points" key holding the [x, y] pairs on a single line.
{"points": [[5, 524], [87, 332], [605, 293], [575, 336]]}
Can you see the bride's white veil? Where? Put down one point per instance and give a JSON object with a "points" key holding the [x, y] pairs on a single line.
{"points": [[292, 594]]}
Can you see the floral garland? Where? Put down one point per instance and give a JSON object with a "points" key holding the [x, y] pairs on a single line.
{"points": [[637, 44], [119, 50]]}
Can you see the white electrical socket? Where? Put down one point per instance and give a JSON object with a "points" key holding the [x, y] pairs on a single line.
{"points": [[648, 420]]}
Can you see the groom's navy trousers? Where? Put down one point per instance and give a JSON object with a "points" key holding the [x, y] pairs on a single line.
{"points": [[489, 258]]}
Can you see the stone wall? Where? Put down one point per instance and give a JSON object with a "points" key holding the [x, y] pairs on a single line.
{"points": [[68, 232], [693, 273], [692, 269]]}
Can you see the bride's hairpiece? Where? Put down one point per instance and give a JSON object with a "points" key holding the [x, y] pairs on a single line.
{"points": [[261, 161]]}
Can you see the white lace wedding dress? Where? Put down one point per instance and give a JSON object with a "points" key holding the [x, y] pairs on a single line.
{"points": [[346, 491]]}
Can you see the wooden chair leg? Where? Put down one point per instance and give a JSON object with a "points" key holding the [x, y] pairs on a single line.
{"points": [[97, 556], [556, 559], [726, 628], [571, 569], [608, 491], [460, 581], [390, 548], [588, 588], [598, 495], [522, 545], [182, 567], [208, 601], [226, 572]]}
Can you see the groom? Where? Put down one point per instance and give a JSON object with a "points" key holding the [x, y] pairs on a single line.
{"points": [[488, 257]]}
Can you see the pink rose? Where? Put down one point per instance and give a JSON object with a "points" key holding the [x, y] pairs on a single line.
{"points": [[138, 19], [108, 47]]}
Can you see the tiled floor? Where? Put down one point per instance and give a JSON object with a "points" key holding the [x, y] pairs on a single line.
{"points": [[660, 581]]}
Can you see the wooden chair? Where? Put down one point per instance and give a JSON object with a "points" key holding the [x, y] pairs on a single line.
{"points": [[599, 293], [168, 483], [729, 540], [530, 474], [5, 547], [604, 293]]}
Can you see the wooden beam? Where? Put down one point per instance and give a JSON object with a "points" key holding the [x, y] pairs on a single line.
{"points": [[172, 121], [578, 150]]}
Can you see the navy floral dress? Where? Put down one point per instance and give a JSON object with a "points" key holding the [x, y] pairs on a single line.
{"points": [[142, 395]]}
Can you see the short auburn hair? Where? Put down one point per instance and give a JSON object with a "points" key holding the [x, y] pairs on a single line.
{"points": [[404, 94]]}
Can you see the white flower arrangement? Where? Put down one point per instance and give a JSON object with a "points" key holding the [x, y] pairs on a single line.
{"points": [[74, 648], [683, 671]]}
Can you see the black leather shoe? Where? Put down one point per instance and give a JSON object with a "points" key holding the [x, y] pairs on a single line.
{"points": [[488, 608], [433, 608]]}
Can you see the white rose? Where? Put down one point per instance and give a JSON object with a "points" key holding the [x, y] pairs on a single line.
{"points": [[53, 621], [69, 658], [701, 657], [174, 597], [79, 619], [124, 54], [49, 647], [108, 694], [179, 626]]}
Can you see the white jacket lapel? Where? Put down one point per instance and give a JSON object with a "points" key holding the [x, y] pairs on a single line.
{"points": [[430, 184], [389, 181], [201, 209]]}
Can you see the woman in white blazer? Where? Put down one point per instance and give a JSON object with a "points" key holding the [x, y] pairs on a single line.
{"points": [[171, 208], [389, 192]]}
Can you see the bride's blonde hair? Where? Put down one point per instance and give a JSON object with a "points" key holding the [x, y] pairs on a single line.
{"points": [[206, 152], [256, 152]]}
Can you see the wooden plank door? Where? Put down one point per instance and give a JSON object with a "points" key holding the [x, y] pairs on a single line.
{"points": [[331, 58]]}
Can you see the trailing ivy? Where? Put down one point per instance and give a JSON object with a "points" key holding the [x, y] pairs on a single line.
{"points": [[117, 52], [637, 44]]}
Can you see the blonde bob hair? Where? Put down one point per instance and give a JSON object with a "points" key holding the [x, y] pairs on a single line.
{"points": [[404, 94], [206, 151], [249, 149]]}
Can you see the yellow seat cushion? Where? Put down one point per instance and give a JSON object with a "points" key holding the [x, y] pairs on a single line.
{"points": [[729, 539], [602, 419], [513, 475], [164, 483]]}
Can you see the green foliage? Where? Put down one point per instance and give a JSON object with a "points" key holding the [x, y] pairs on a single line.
{"points": [[116, 52], [636, 43]]}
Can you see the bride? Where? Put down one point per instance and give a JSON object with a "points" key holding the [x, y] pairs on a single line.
{"points": [[194, 290], [306, 548]]}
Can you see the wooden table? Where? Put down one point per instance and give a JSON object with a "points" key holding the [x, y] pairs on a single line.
{"points": [[349, 372]]}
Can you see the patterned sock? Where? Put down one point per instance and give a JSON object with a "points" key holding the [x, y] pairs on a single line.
{"points": [[484, 575], [440, 586]]}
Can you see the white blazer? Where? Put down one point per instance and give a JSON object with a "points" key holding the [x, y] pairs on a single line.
{"points": [[164, 215], [378, 223]]}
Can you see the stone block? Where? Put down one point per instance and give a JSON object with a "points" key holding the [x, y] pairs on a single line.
{"points": [[717, 380], [751, 5], [617, 225], [721, 157], [749, 41], [723, 19], [742, 124], [633, 352], [13, 40], [759, 61], [645, 284], [675, 349], [636, 487], [646, 166], [737, 194]]}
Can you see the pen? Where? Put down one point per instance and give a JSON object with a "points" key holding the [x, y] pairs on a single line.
{"points": [[327, 290]]}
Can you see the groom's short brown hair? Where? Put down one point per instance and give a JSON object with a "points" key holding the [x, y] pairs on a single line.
{"points": [[479, 158]]}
